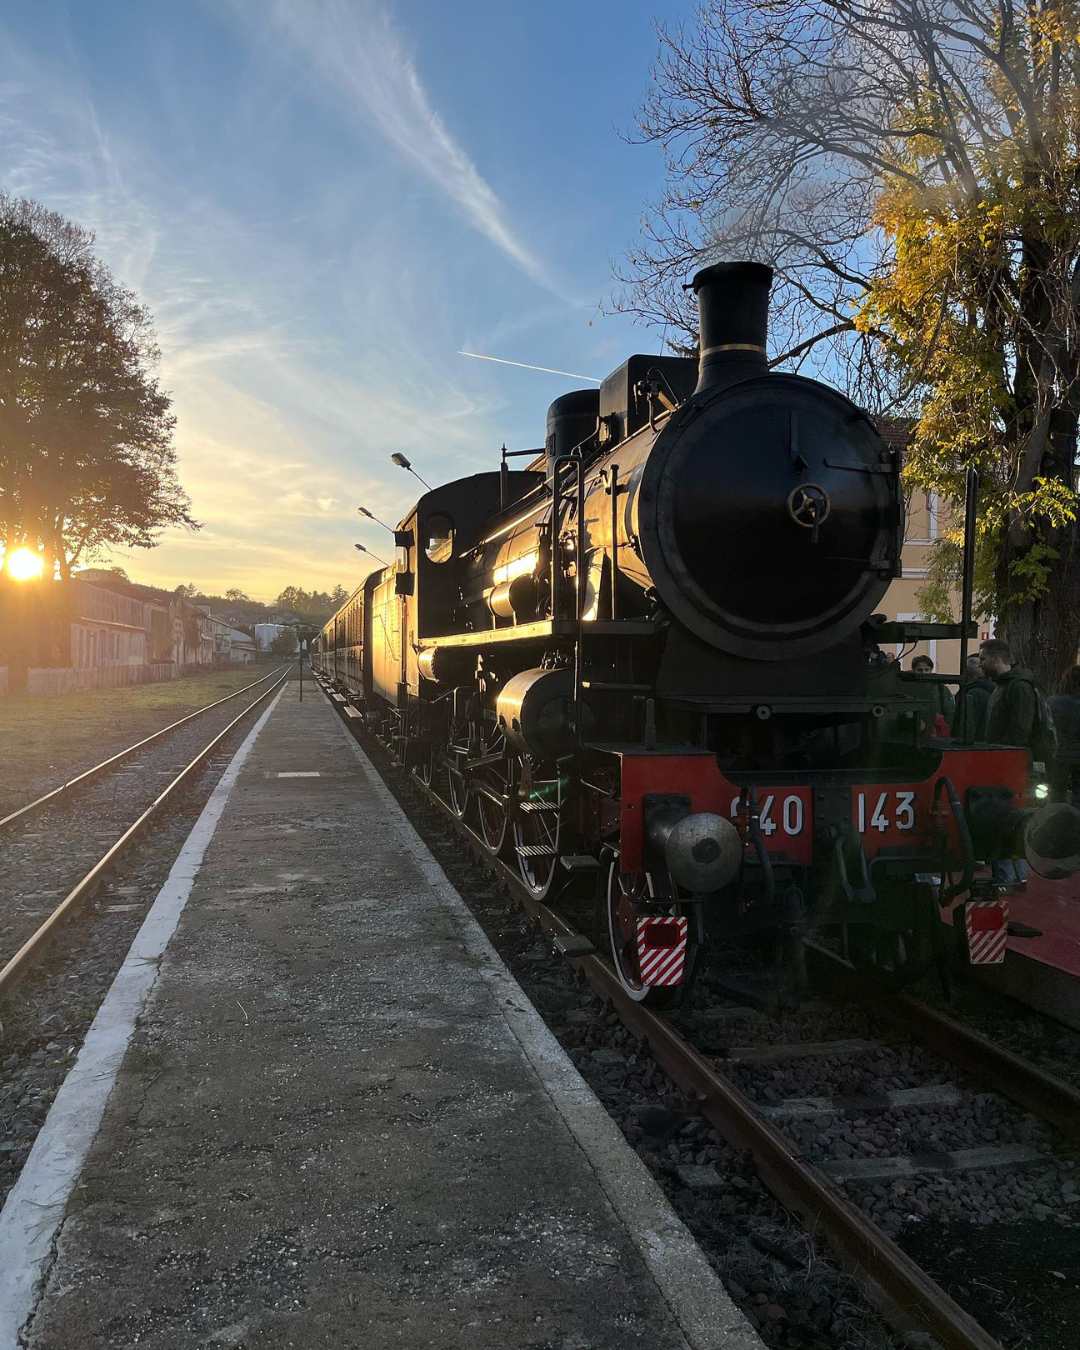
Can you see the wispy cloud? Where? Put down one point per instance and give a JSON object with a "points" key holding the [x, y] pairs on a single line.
{"points": [[356, 52], [295, 364]]}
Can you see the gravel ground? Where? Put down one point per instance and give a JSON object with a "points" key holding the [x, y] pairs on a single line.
{"points": [[1017, 1274], [44, 1020], [976, 1232], [53, 739], [949, 1222], [1030, 1034]]}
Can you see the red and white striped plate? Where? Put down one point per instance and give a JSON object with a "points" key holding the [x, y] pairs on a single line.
{"points": [[986, 927], [661, 945]]}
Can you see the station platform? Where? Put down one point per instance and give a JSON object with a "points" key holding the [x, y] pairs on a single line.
{"points": [[337, 1121], [1044, 971]]}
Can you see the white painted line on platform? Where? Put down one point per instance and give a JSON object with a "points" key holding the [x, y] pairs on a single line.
{"points": [[300, 773], [702, 1307], [35, 1205]]}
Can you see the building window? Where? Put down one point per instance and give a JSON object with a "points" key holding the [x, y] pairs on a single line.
{"points": [[924, 518]]}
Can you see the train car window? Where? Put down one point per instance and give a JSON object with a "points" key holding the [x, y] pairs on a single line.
{"points": [[439, 537]]}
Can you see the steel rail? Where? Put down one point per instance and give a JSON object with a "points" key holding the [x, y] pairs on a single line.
{"points": [[88, 774], [1036, 1091], [20, 963], [910, 1294], [862, 1247]]}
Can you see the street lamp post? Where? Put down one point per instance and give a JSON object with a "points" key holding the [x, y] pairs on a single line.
{"points": [[371, 555], [399, 459], [305, 636], [371, 516]]}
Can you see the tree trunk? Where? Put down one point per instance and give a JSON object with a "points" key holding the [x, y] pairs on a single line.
{"points": [[1044, 634]]}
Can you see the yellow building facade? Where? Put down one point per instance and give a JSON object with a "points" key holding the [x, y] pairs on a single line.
{"points": [[925, 520]]}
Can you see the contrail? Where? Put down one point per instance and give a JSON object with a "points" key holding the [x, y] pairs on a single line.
{"points": [[524, 365]]}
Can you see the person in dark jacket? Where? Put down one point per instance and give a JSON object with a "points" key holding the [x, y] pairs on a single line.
{"points": [[938, 704], [1066, 709], [1013, 711], [973, 701], [1011, 719]]}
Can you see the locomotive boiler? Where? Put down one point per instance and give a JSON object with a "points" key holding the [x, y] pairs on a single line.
{"points": [[647, 667]]}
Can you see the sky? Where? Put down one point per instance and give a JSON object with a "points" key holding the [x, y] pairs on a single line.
{"points": [[323, 202]]}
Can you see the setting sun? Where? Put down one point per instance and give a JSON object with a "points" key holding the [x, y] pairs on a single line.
{"points": [[24, 564]]}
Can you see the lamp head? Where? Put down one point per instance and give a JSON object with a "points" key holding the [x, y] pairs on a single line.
{"points": [[399, 459], [365, 512], [371, 555]]}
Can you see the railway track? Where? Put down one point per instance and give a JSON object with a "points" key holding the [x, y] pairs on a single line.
{"points": [[107, 825], [742, 1095], [50, 798]]}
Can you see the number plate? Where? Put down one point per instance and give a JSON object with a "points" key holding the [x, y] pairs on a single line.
{"points": [[786, 820], [884, 816]]}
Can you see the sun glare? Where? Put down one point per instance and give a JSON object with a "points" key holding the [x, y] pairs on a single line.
{"points": [[23, 564]]}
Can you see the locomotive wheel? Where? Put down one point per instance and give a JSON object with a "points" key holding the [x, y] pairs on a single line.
{"points": [[627, 897], [537, 829], [492, 786]]}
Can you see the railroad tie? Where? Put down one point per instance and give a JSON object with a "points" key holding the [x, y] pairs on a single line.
{"points": [[768, 1054], [921, 1164], [807, 1108]]}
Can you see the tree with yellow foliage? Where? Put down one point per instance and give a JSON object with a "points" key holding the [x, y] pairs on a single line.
{"points": [[912, 170]]}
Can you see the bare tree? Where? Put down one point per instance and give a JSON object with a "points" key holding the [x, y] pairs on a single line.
{"points": [[750, 107], [911, 168]]}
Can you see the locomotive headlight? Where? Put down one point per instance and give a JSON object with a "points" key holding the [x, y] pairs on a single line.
{"points": [[1042, 791]]}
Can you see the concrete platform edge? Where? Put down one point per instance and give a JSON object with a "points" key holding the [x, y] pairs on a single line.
{"points": [[35, 1208], [702, 1307]]}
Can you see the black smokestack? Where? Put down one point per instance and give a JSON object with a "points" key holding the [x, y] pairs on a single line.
{"points": [[733, 305]]}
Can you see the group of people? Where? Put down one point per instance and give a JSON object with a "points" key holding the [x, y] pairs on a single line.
{"points": [[999, 703]]}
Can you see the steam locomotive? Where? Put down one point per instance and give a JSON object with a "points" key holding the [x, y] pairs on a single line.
{"points": [[647, 668]]}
